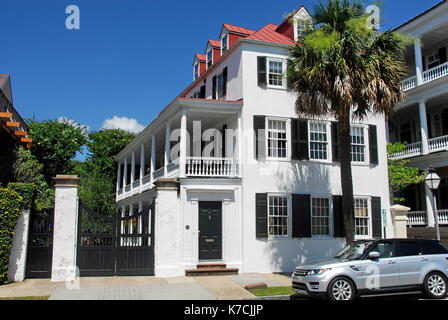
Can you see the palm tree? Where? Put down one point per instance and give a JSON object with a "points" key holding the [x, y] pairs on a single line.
{"points": [[344, 69]]}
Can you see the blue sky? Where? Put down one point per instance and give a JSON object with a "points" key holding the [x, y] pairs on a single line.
{"points": [[131, 57]]}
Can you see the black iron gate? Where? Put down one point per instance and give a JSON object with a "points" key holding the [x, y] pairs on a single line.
{"points": [[40, 244], [116, 244]]}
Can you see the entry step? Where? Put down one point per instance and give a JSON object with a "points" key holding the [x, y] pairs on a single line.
{"points": [[211, 269]]}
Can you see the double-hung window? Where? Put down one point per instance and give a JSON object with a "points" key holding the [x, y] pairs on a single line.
{"points": [[318, 140], [277, 138], [224, 44], [209, 58], [196, 71], [358, 146], [362, 217], [275, 72], [278, 215], [320, 217]]}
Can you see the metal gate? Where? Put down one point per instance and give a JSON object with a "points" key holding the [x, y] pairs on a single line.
{"points": [[40, 244], [115, 244]]}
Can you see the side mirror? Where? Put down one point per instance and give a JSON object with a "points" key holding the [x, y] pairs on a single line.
{"points": [[373, 255]]}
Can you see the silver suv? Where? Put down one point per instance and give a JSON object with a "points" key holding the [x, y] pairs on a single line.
{"points": [[376, 267]]}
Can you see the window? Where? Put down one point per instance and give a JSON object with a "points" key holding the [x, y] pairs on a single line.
{"points": [[320, 217], [408, 248], [224, 44], [277, 139], [433, 247], [209, 58], [385, 249], [196, 71], [318, 140], [362, 218], [437, 124], [275, 72], [358, 144], [301, 26], [433, 61], [278, 215]]}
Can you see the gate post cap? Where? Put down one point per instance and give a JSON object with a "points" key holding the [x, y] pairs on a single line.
{"points": [[62, 180], [399, 210]]}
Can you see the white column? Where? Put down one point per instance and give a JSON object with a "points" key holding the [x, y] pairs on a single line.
{"points": [[183, 144], [167, 147], [125, 173], [240, 145], [65, 228], [142, 163], [153, 157], [418, 61], [132, 168], [429, 207], [423, 126], [118, 176]]}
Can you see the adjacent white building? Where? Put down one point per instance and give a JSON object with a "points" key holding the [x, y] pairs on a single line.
{"points": [[250, 184], [422, 120]]}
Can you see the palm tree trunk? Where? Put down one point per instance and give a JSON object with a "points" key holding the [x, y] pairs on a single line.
{"points": [[346, 176]]}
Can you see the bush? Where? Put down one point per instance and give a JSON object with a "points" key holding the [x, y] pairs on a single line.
{"points": [[26, 190], [11, 204]]}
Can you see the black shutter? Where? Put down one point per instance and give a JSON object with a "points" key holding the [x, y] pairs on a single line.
{"points": [[373, 144], [301, 216], [295, 139], [288, 66], [261, 215], [214, 80], [224, 89], [442, 55], [338, 219], [224, 141], [335, 141], [303, 140], [202, 93], [260, 137], [445, 122], [376, 218], [424, 63], [262, 76]]}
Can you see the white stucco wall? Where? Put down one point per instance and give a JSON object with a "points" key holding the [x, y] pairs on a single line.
{"points": [[17, 258]]}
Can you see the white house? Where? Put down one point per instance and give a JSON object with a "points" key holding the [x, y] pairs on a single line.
{"points": [[422, 120], [229, 174]]}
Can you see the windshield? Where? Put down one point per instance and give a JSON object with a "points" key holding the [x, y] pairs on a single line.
{"points": [[353, 251]]}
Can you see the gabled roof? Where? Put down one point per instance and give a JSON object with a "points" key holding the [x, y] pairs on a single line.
{"points": [[200, 56], [215, 43], [5, 86], [236, 29], [287, 19], [269, 34]]}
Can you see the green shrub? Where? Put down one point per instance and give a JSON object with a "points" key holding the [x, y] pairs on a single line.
{"points": [[26, 190], [11, 204]]}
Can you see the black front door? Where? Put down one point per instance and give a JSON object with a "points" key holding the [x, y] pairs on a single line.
{"points": [[210, 230]]}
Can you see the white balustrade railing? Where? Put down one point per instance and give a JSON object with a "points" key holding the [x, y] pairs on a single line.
{"points": [[438, 144], [211, 167], [410, 150], [435, 73], [159, 173], [443, 216], [417, 218], [409, 83]]}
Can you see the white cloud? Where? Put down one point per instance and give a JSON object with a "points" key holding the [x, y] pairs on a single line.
{"points": [[124, 123]]}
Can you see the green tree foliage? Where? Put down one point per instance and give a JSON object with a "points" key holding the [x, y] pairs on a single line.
{"points": [[401, 175], [98, 173], [11, 204], [27, 169], [344, 69], [55, 143]]}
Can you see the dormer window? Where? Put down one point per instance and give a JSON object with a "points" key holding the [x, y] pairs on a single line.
{"points": [[302, 20], [209, 58], [224, 43], [301, 26]]}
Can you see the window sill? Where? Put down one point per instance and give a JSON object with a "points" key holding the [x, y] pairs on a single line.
{"points": [[278, 159], [270, 86]]}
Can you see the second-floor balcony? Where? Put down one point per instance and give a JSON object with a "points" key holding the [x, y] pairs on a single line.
{"points": [[427, 76], [416, 149]]}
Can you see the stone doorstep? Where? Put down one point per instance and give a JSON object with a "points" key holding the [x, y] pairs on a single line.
{"points": [[216, 269]]}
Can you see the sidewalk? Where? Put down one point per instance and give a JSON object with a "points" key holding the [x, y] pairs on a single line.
{"points": [[145, 288]]}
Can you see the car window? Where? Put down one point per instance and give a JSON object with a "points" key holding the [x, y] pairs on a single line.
{"points": [[353, 251], [385, 249], [433, 247], [408, 248]]}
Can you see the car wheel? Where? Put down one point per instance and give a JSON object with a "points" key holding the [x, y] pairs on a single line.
{"points": [[435, 285], [341, 288]]}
